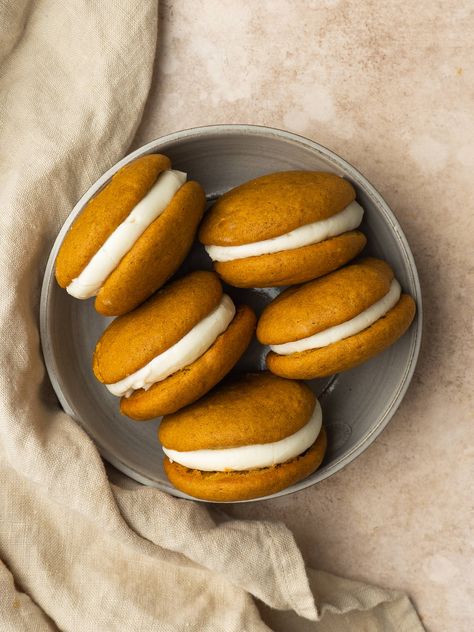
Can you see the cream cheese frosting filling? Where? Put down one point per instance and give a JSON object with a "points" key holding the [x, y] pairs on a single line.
{"points": [[347, 219], [191, 347], [107, 258], [344, 330], [250, 457]]}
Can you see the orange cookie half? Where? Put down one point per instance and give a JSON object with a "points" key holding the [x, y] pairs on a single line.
{"points": [[331, 300], [335, 323], [156, 255], [289, 267], [248, 437], [105, 212], [256, 408], [235, 486], [132, 236], [283, 228], [134, 339]]}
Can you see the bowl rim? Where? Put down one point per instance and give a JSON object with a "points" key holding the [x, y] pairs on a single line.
{"points": [[339, 163]]}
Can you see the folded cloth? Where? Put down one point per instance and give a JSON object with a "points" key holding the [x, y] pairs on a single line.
{"points": [[77, 550]]}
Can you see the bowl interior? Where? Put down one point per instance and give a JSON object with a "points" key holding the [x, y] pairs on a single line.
{"points": [[356, 404]]}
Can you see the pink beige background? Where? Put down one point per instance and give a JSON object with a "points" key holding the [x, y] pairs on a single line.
{"points": [[390, 87]]}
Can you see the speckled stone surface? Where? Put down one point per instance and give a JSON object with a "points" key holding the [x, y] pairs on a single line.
{"points": [[390, 87]]}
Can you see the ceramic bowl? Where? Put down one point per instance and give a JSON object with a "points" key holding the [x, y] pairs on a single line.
{"points": [[357, 405]]}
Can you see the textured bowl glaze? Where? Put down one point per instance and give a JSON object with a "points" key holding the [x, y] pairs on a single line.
{"points": [[357, 405]]}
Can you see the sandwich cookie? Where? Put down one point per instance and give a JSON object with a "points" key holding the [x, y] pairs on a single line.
{"points": [[335, 323], [248, 438], [132, 236], [174, 348], [283, 228]]}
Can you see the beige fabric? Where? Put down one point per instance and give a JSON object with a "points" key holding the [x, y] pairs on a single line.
{"points": [[349, 606], [78, 552]]}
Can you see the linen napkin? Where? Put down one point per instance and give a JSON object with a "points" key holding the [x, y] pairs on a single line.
{"points": [[79, 551]]}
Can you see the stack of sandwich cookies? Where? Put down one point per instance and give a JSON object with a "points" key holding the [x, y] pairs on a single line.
{"points": [[248, 438], [335, 323], [174, 348], [283, 228], [132, 236]]}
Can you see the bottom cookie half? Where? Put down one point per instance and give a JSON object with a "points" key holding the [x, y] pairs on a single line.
{"points": [[248, 484]]}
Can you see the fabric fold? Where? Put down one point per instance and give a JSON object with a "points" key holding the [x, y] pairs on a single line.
{"points": [[258, 556], [345, 605], [18, 611]]}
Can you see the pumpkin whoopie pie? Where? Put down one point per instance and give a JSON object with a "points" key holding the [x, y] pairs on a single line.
{"points": [[335, 323], [174, 348], [132, 236], [249, 437], [283, 228]]}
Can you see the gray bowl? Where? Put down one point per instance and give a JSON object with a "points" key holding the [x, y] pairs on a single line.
{"points": [[357, 405]]}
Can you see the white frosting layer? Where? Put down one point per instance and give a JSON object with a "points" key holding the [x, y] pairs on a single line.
{"points": [[344, 330], [184, 352], [107, 258], [250, 457], [348, 219]]}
